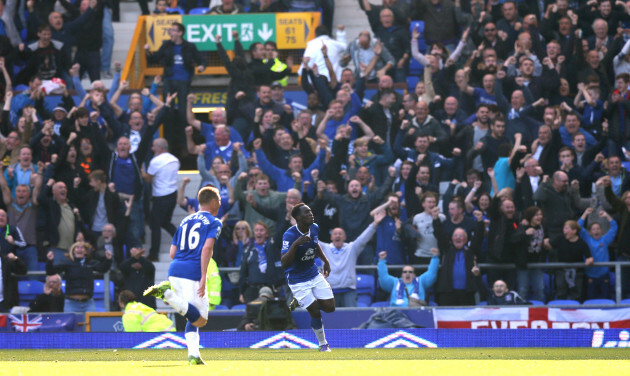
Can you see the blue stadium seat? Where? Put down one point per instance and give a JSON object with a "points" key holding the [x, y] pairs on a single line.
{"points": [[99, 294], [537, 302], [364, 299], [432, 304], [28, 290], [380, 304], [220, 308], [482, 303], [625, 301], [239, 306], [415, 68], [365, 284], [598, 301], [563, 302], [175, 10], [412, 81], [365, 288], [41, 266], [199, 11]]}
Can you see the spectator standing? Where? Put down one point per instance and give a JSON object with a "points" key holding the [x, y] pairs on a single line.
{"points": [[598, 280], [162, 175], [343, 259], [179, 58], [10, 263], [139, 274]]}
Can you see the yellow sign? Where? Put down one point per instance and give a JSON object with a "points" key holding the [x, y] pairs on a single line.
{"points": [[157, 29], [293, 30]]}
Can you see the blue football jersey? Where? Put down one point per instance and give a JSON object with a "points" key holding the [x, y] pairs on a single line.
{"points": [[189, 239], [303, 268]]}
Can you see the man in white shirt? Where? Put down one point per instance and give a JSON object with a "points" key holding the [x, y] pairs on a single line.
{"points": [[335, 50], [162, 174], [342, 255]]}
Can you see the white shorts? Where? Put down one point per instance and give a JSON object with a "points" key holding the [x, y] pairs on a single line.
{"points": [[187, 290], [307, 292]]}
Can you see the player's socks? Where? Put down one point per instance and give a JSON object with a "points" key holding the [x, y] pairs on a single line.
{"points": [[192, 340], [318, 328]]}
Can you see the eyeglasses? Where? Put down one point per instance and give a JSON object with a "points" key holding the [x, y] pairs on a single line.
{"points": [[407, 272]]}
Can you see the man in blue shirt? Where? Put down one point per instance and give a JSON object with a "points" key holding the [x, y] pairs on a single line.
{"points": [[300, 246], [191, 251]]}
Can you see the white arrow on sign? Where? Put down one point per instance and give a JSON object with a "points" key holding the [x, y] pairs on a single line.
{"points": [[265, 33]]}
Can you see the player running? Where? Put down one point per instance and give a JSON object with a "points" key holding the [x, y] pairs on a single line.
{"points": [[310, 290], [191, 251]]}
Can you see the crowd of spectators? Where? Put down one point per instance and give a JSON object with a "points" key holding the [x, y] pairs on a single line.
{"points": [[510, 149]]}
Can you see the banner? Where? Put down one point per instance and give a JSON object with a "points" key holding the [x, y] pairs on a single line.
{"points": [[52, 322], [530, 317], [338, 338]]}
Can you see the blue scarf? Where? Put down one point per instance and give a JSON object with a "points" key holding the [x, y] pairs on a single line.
{"points": [[400, 290], [262, 257]]}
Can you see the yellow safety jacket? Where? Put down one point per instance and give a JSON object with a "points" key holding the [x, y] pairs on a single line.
{"points": [[279, 66], [141, 318], [213, 284]]}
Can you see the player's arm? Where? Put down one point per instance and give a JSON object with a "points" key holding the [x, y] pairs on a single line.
{"points": [[288, 257], [320, 253], [173, 250], [206, 255]]}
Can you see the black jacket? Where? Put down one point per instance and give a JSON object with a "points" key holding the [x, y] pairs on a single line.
{"points": [[9, 283], [138, 280], [251, 274], [165, 56], [79, 277], [50, 215], [88, 204], [448, 253], [48, 303]]}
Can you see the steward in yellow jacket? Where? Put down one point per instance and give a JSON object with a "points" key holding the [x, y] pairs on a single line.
{"points": [[138, 317]]}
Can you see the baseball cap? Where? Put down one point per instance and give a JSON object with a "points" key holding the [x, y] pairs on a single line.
{"points": [[266, 292], [59, 108], [275, 84]]}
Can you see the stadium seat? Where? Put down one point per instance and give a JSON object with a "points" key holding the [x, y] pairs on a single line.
{"points": [[239, 306], [563, 302], [99, 294], [364, 299], [598, 302], [28, 290], [175, 10], [365, 288], [199, 11], [220, 308], [380, 304], [537, 302], [432, 304], [482, 303], [625, 301], [412, 81]]}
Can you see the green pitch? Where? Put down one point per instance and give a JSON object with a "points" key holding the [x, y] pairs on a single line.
{"points": [[364, 362]]}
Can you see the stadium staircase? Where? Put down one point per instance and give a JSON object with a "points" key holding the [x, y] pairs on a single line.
{"points": [[347, 12]]}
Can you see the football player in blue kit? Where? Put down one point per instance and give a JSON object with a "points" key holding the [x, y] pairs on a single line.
{"points": [[191, 251], [300, 246]]}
